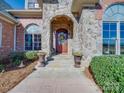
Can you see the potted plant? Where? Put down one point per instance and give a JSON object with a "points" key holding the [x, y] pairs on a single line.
{"points": [[41, 61], [77, 58]]}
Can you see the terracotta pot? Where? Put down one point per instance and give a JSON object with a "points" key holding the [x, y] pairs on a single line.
{"points": [[77, 60]]}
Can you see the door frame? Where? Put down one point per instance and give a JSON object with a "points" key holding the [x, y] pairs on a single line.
{"points": [[61, 30]]}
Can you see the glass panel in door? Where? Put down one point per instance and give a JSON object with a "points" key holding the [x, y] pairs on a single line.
{"points": [[37, 42], [28, 42]]}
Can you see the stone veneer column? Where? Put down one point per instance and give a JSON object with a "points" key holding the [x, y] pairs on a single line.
{"points": [[90, 34], [46, 29]]}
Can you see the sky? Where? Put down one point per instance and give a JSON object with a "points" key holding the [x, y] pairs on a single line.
{"points": [[17, 4]]}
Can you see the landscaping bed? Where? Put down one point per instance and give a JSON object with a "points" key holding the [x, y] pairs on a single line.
{"points": [[15, 67], [108, 72], [13, 76]]}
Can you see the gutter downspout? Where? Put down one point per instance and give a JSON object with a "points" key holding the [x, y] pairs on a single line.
{"points": [[15, 38]]}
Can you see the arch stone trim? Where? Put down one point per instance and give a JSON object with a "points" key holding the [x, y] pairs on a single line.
{"points": [[31, 24], [105, 4], [114, 12]]}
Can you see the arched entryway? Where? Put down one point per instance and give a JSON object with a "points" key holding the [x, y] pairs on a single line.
{"points": [[61, 34]]}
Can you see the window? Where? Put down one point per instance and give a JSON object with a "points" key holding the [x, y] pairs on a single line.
{"points": [[122, 37], [113, 30], [33, 38], [32, 4], [109, 37], [0, 35]]}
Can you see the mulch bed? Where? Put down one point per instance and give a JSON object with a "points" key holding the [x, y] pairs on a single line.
{"points": [[13, 76], [89, 74]]}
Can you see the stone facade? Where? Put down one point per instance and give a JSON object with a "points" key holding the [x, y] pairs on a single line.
{"points": [[90, 34], [50, 11], [85, 37], [90, 29]]}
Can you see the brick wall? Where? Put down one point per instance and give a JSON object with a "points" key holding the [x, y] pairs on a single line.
{"points": [[7, 38], [24, 22], [20, 37]]}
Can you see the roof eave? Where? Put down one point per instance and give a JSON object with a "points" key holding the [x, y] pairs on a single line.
{"points": [[26, 13], [78, 4], [8, 18]]}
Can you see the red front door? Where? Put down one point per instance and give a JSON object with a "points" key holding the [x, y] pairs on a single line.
{"points": [[62, 41]]}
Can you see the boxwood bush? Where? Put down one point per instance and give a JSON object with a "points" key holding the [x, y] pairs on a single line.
{"points": [[31, 55], [108, 72], [17, 57]]}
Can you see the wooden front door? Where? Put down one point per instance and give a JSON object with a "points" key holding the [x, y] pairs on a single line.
{"points": [[62, 41]]}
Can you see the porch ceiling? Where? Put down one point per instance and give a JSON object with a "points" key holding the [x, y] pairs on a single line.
{"points": [[78, 4]]}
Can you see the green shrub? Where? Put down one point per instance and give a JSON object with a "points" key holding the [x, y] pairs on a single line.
{"points": [[2, 67], [17, 55], [16, 58], [16, 62], [77, 54], [31, 55], [4, 61], [108, 72]]}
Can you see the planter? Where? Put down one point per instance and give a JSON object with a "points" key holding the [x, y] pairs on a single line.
{"points": [[77, 60], [41, 61]]}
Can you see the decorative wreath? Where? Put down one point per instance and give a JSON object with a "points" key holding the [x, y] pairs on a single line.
{"points": [[61, 37]]}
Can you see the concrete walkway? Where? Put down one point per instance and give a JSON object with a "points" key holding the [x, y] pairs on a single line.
{"points": [[59, 76]]}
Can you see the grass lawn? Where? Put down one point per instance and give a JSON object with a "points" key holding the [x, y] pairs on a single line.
{"points": [[13, 76]]}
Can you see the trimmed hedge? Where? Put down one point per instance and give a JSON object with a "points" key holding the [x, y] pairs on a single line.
{"points": [[31, 55], [108, 72]]}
